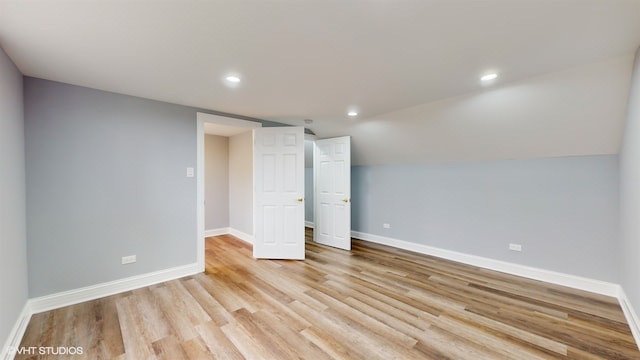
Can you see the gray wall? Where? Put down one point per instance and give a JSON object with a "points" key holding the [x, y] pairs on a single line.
{"points": [[564, 211], [630, 193], [308, 194], [241, 182], [13, 237], [308, 180], [216, 181], [106, 177]]}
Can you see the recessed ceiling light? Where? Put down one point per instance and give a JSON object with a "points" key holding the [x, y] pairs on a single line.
{"points": [[233, 79], [489, 77], [352, 113]]}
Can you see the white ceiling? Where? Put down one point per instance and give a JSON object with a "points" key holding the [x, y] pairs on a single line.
{"points": [[313, 59]]}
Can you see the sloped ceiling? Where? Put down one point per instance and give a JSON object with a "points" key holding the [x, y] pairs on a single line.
{"points": [[411, 68]]}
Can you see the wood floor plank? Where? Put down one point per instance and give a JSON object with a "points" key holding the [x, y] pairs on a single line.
{"points": [[169, 348], [446, 345], [509, 333], [226, 293], [217, 342], [489, 340], [214, 309], [264, 334], [137, 344], [299, 344], [373, 302], [151, 318], [345, 311], [249, 339], [333, 346], [196, 349], [392, 322], [179, 321], [326, 332]]}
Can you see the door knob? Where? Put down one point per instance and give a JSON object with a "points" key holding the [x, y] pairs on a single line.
{"points": [[300, 199], [346, 200]]}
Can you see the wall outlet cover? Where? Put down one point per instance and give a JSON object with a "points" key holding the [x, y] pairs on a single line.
{"points": [[128, 259], [515, 247]]}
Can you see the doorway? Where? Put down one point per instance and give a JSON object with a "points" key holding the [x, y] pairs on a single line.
{"points": [[223, 124], [239, 154]]}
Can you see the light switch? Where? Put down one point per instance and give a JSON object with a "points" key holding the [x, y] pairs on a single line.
{"points": [[190, 172]]}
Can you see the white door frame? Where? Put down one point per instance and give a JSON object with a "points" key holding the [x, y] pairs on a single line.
{"points": [[203, 118]]}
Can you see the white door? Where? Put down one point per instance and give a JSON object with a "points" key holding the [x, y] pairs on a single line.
{"points": [[278, 168], [332, 182]]}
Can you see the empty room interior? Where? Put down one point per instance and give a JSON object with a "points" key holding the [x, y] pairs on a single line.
{"points": [[348, 179]]}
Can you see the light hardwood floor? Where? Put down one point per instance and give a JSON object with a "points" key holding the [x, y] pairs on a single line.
{"points": [[374, 302]]}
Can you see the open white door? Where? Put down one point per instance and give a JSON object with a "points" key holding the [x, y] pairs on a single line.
{"points": [[332, 182], [278, 168]]}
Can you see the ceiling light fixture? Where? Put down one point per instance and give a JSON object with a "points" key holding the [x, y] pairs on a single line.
{"points": [[489, 77], [233, 79], [352, 113]]}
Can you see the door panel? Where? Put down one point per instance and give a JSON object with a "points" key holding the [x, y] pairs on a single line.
{"points": [[332, 176], [279, 183]]}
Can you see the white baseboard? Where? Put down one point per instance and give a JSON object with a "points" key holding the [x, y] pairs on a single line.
{"points": [[16, 334], [231, 231], [630, 315], [242, 236], [576, 282], [309, 224], [66, 298], [216, 232]]}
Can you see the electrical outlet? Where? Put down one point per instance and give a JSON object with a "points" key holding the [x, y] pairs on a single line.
{"points": [[128, 259], [386, 226], [515, 247]]}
